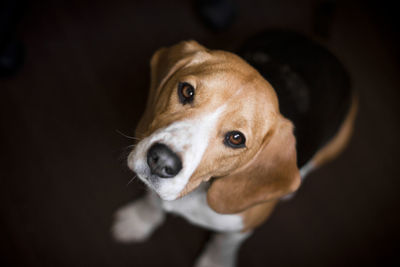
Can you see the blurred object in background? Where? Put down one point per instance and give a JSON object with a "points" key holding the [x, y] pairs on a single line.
{"points": [[385, 15], [11, 49], [217, 15], [323, 17]]}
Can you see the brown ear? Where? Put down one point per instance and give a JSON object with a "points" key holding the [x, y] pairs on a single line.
{"points": [[165, 62], [272, 174]]}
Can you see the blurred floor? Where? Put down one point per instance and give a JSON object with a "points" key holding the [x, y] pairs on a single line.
{"points": [[86, 75]]}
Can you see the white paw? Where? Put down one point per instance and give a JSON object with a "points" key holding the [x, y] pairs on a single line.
{"points": [[135, 222], [217, 256], [207, 261], [221, 250]]}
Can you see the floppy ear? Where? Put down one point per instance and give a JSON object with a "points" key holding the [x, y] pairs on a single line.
{"points": [[165, 62], [271, 174]]}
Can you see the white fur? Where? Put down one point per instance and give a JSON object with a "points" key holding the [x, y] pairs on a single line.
{"points": [[306, 169], [194, 208], [136, 221], [221, 250], [188, 138]]}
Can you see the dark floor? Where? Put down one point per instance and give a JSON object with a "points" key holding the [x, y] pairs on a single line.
{"points": [[63, 170]]}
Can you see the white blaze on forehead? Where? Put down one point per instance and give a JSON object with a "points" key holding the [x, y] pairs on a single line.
{"points": [[189, 139]]}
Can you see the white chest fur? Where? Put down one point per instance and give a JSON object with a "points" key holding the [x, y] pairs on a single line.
{"points": [[195, 209]]}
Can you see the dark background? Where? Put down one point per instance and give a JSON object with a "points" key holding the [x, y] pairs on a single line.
{"points": [[86, 75]]}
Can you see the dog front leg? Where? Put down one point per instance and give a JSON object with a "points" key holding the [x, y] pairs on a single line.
{"points": [[136, 221], [221, 250]]}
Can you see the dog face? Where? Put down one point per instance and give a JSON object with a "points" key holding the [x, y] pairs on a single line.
{"points": [[211, 115]]}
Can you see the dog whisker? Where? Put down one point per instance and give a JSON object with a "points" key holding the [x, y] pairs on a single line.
{"points": [[127, 136], [131, 180]]}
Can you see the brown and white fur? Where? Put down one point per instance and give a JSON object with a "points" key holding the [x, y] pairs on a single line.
{"points": [[230, 191]]}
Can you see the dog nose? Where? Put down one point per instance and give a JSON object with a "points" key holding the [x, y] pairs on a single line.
{"points": [[162, 161]]}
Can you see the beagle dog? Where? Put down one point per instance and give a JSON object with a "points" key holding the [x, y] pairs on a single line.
{"points": [[218, 148]]}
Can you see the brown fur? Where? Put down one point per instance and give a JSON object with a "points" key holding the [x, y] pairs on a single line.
{"points": [[340, 141], [271, 174], [248, 181], [257, 214]]}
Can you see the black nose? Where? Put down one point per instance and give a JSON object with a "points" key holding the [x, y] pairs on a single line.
{"points": [[162, 161]]}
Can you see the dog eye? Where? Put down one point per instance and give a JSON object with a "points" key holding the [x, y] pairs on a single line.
{"points": [[235, 139], [185, 93]]}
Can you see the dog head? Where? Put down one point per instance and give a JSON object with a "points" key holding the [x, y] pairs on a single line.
{"points": [[211, 115]]}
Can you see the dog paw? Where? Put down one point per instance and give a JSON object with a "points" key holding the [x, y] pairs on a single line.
{"points": [[136, 222], [205, 261], [216, 257], [221, 250]]}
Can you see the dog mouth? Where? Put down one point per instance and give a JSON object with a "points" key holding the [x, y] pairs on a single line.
{"points": [[141, 170], [148, 179]]}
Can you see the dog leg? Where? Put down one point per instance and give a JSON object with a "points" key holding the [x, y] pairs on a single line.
{"points": [[221, 250], [136, 221]]}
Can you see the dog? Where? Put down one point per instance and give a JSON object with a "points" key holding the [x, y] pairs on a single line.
{"points": [[217, 146]]}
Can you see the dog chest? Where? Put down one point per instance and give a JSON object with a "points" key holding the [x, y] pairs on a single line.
{"points": [[195, 209]]}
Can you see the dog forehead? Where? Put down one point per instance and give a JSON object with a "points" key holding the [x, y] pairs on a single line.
{"points": [[224, 79], [227, 71], [245, 94]]}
